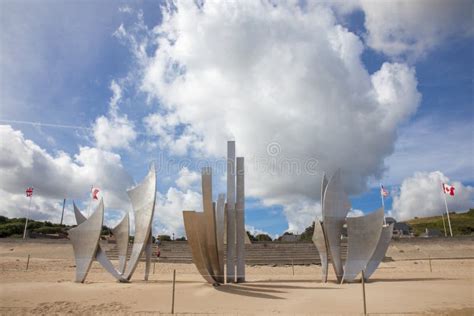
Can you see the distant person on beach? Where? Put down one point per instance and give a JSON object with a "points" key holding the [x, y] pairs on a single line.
{"points": [[158, 243]]}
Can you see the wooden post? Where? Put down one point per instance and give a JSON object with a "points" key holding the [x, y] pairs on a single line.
{"points": [[154, 262], [363, 292], [27, 262], [293, 266], [27, 214], [172, 299], [429, 258]]}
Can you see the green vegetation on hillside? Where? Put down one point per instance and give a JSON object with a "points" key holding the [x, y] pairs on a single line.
{"points": [[461, 223], [258, 237], [13, 227], [307, 235]]}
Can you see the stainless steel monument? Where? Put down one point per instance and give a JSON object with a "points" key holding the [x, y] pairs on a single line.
{"points": [[85, 241], [99, 255], [207, 231], [368, 238], [85, 237]]}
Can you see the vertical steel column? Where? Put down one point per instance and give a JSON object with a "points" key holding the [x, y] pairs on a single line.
{"points": [[230, 260], [210, 219], [220, 229], [240, 220]]}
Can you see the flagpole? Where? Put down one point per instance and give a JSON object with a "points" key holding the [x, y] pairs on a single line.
{"points": [[90, 201], [444, 225], [27, 214], [383, 205], [447, 213]]}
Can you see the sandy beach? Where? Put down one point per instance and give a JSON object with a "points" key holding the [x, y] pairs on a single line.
{"points": [[403, 286]]}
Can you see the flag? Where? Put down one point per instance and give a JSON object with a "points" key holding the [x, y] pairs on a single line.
{"points": [[29, 192], [448, 189], [383, 192], [95, 192]]}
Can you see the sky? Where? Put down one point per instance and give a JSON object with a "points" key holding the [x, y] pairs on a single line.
{"points": [[93, 92]]}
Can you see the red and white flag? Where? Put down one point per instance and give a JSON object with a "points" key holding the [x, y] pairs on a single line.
{"points": [[95, 192], [448, 189], [29, 192], [383, 192]]}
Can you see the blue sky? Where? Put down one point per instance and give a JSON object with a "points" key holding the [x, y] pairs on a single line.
{"points": [[59, 63]]}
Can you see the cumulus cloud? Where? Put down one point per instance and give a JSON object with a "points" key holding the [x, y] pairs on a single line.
{"points": [[187, 179], [54, 177], [166, 128], [355, 213], [114, 131], [169, 210], [274, 74], [300, 211], [421, 195], [413, 28]]}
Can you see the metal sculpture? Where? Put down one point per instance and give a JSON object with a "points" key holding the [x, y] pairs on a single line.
{"points": [[85, 241], [143, 198], [363, 236], [319, 240], [210, 224], [230, 212], [206, 231], [85, 237], [319, 237], [335, 208], [368, 238], [100, 255], [324, 185], [121, 233], [240, 221], [197, 245], [380, 251], [220, 231]]}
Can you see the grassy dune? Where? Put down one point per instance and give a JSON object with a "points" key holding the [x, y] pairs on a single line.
{"points": [[461, 223]]}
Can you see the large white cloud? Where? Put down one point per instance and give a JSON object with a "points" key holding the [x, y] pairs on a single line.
{"points": [[169, 210], [287, 84], [187, 179], [413, 28], [115, 130], [54, 177], [422, 195]]}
